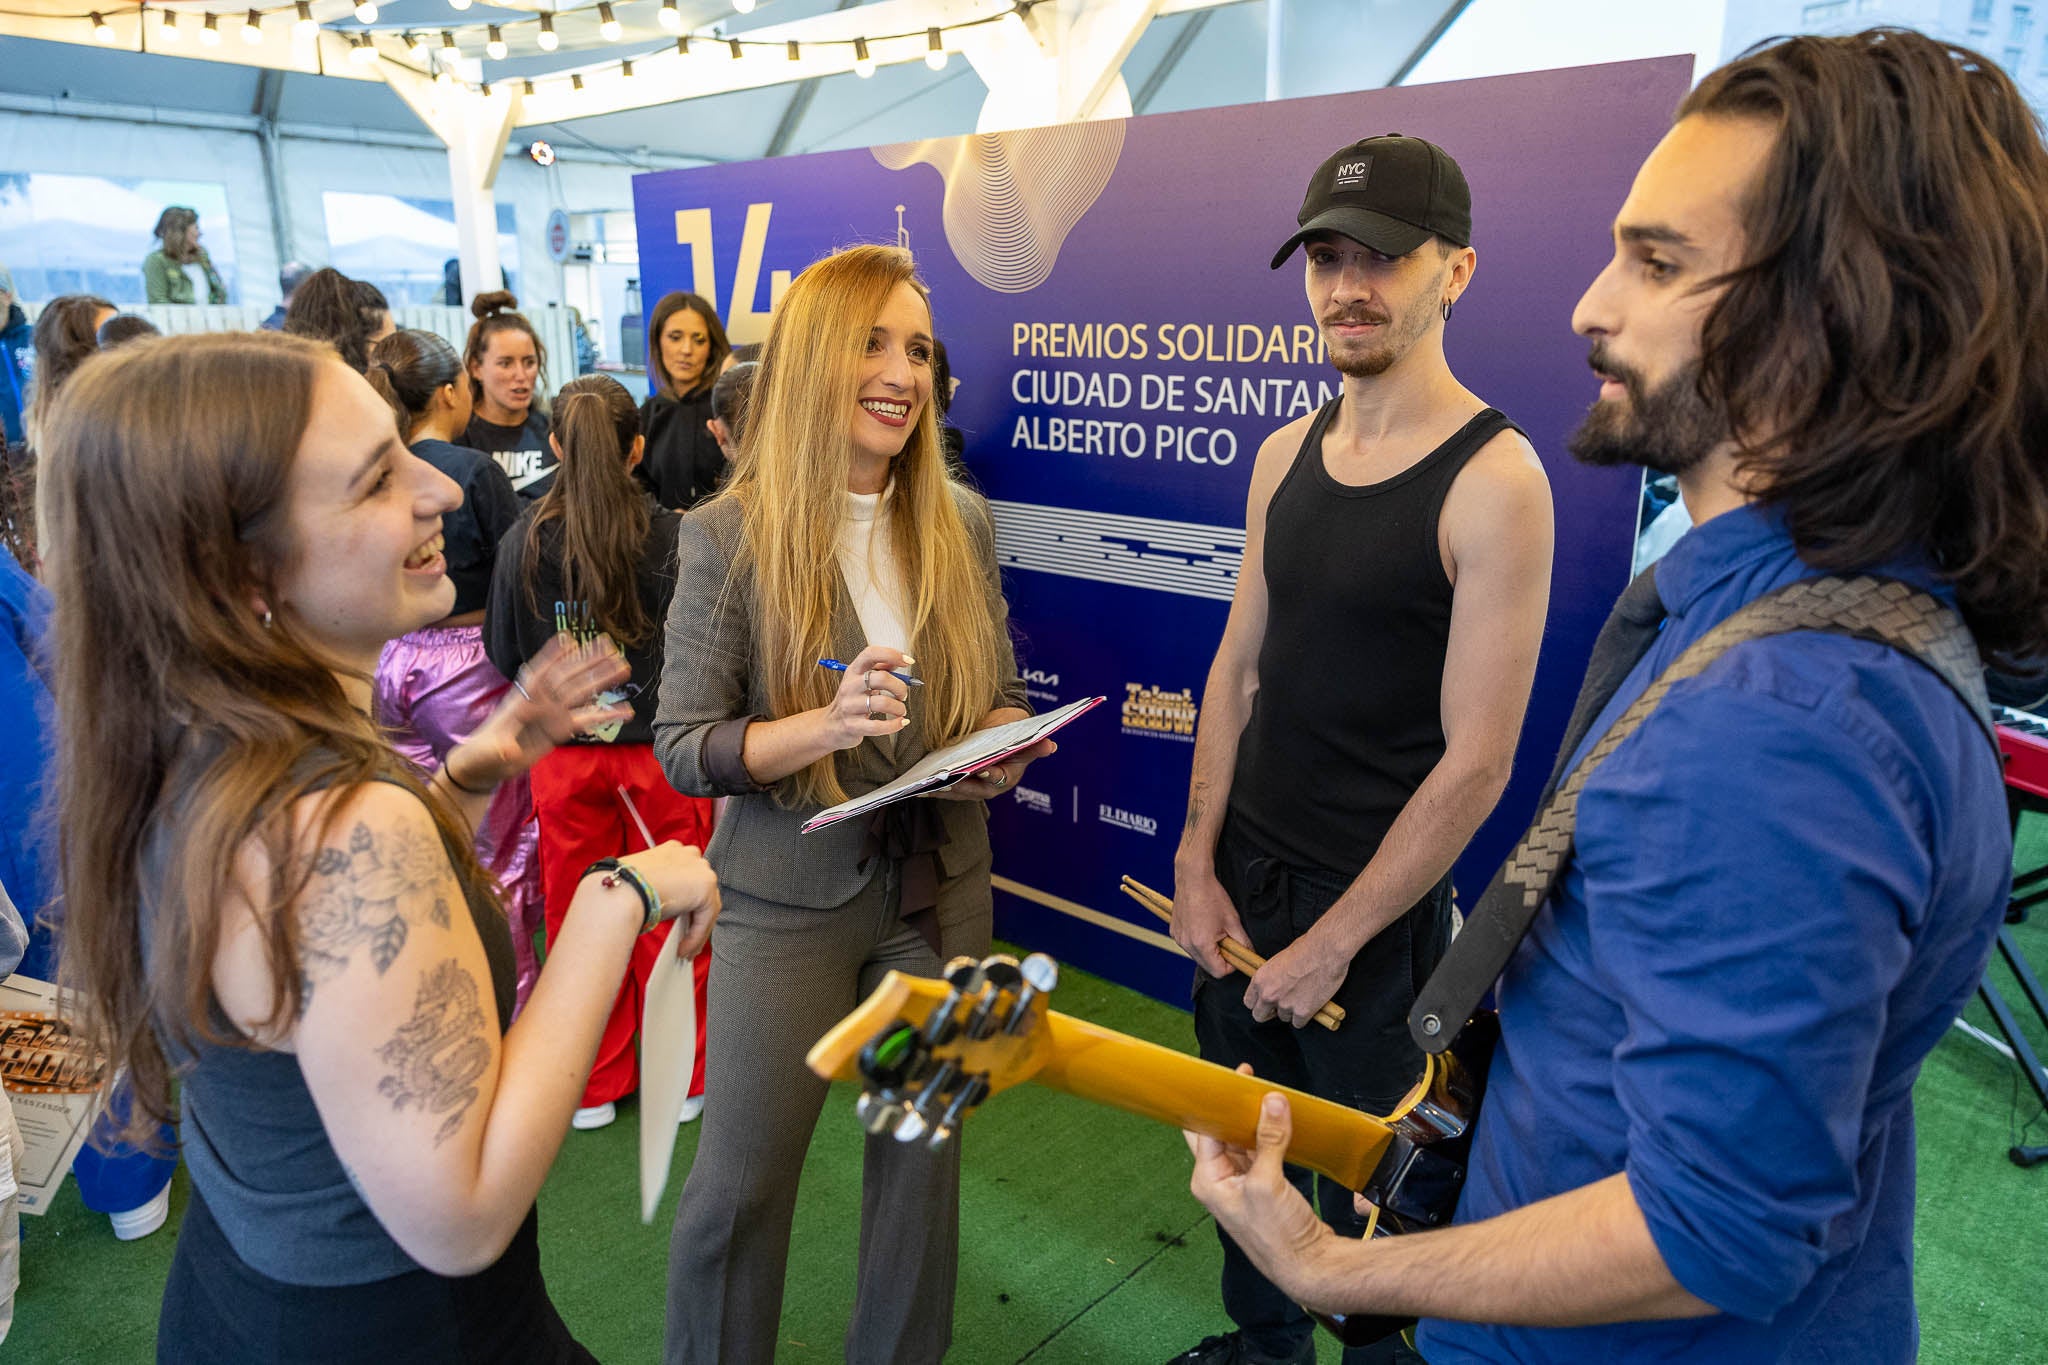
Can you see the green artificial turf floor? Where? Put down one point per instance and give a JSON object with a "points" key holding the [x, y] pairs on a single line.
{"points": [[1079, 1241]]}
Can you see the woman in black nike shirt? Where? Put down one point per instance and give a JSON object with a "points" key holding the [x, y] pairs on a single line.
{"points": [[434, 685], [507, 365]]}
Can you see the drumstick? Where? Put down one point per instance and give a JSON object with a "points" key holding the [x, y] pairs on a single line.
{"points": [[1236, 954]]}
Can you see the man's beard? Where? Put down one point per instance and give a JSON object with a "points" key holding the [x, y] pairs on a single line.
{"points": [[1668, 429], [1379, 359]]}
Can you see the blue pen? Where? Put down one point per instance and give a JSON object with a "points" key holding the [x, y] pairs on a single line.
{"points": [[839, 667]]}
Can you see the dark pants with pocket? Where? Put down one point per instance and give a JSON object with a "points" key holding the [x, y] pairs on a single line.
{"points": [[1369, 1063]]}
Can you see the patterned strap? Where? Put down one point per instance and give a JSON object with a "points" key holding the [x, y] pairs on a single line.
{"points": [[1880, 609]]}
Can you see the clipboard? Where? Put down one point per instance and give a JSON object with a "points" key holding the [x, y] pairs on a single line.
{"points": [[982, 749]]}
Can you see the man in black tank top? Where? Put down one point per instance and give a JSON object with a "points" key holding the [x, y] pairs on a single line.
{"points": [[1362, 711]]}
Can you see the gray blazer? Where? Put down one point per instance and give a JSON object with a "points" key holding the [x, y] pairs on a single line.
{"points": [[712, 688]]}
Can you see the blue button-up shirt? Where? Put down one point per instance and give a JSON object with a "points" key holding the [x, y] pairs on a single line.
{"points": [[1786, 885]]}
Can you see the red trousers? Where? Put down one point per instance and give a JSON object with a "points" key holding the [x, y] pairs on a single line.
{"points": [[582, 819]]}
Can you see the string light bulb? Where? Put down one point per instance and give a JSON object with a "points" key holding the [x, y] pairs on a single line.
{"points": [[252, 29], [734, 44], [415, 46], [209, 33], [458, 4], [495, 49], [366, 12], [935, 50], [683, 46], [102, 31], [607, 23], [526, 87], [794, 54], [364, 52], [575, 81], [449, 52], [304, 26], [546, 38], [626, 70], [743, 6], [863, 64], [670, 17], [168, 32], [484, 89]]}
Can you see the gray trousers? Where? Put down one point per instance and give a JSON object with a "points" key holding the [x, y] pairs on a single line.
{"points": [[781, 976]]}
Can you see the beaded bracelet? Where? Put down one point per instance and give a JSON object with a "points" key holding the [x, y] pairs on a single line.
{"points": [[610, 872]]}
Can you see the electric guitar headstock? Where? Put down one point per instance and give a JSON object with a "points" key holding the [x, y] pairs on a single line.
{"points": [[928, 1052]]}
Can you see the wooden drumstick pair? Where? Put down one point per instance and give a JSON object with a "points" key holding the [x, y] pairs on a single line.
{"points": [[1236, 954]]}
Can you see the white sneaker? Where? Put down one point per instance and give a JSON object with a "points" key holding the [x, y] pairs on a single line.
{"points": [[596, 1116], [133, 1224], [693, 1105]]}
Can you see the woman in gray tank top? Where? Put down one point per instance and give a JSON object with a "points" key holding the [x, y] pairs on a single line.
{"points": [[266, 901]]}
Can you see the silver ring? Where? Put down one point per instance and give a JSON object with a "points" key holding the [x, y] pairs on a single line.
{"points": [[871, 706], [1001, 779]]}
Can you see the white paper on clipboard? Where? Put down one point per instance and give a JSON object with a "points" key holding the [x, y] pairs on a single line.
{"points": [[668, 1054], [942, 768]]}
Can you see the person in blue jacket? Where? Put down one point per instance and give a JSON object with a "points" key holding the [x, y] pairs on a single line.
{"points": [[1823, 315], [131, 1186], [17, 361]]}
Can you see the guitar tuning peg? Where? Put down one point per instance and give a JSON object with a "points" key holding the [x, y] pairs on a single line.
{"points": [[1040, 975], [964, 976], [1000, 973], [877, 1113], [922, 1110], [971, 1094]]}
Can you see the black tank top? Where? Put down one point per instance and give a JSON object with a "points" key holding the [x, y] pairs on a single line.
{"points": [[1347, 720]]}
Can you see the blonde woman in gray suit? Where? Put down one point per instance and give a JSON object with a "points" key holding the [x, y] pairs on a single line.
{"points": [[839, 536]]}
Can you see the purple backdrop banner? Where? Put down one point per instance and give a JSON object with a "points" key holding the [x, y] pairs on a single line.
{"points": [[1122, 350]]}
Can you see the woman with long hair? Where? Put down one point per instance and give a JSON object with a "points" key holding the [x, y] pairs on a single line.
{"points": [[507, 365], [267, 903], [596, 557], [179, 267], [347, 314], [840, 537], [66, 336], [686, 352], [435, 685]]}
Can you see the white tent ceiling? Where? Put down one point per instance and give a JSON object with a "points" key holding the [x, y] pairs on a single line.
{"points": [[1194, 59]]}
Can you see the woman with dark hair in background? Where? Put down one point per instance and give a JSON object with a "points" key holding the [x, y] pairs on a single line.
{"points": [[269, 904], [596, 556], [174, 272], [507, 365], [346, 314], [66, 335], [434, 685], [686, 352], [122, 328]]}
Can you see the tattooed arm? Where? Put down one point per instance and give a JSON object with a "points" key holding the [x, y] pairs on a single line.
{"points": [[446, 1128]]}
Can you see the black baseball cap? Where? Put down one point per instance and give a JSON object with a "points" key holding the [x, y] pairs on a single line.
{"points": [[1391, 193]]}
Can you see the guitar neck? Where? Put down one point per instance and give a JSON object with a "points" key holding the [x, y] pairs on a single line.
{"points": [[1173, 1088]]}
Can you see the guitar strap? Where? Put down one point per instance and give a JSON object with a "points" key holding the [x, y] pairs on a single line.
{"points": [[1884, 610]]}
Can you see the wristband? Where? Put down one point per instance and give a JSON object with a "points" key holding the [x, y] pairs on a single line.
{"points": [[448, 771], [610, 872]]}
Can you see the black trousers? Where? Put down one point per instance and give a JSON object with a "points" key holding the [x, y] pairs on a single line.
{"points": [[218, 1308], [1369, 1063]]}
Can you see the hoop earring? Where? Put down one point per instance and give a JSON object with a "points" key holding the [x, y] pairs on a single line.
{"points": [[1447, 310]]}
